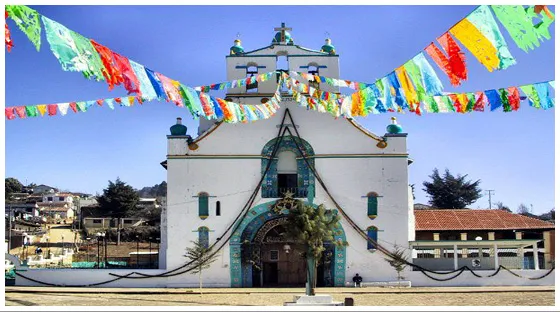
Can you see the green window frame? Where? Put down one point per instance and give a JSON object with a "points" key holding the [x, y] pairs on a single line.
{"points": [[372, 205], [372, 232], [203, 205], [203, 236]]}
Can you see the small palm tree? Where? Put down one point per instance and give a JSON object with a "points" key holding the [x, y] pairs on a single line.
{"points": [[201, 257], [313, 227]]}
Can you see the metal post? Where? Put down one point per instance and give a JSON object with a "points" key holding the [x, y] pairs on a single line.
{"points": [[158, 245], [150, 252], [137, 251], [489, 198], [97, 252], [87, 249], [10, 231], [105, 239]]}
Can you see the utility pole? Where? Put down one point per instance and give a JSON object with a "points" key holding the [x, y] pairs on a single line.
{"points": [[10, 228], [490, 192]]}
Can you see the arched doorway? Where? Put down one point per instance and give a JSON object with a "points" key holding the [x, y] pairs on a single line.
{"points": [[277, 261], [258, 257]]}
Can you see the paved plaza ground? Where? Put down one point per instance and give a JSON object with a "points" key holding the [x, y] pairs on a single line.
{"points": [[444, 296]]}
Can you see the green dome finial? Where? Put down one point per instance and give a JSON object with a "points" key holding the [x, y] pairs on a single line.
{"points": [[237, 49], [394, 128], [328, 47], [179, 128]]}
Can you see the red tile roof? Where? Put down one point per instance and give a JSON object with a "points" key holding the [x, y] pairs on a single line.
{"points": [[468, 219]]}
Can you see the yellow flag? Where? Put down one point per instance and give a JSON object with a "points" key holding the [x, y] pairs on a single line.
{"points": [[42, 109], [477, 43], [409, 91]]}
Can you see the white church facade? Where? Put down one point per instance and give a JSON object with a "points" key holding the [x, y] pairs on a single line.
{"points": [[210, 182]]}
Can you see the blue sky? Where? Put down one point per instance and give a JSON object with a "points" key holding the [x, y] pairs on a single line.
{"points": [[511, 153]]}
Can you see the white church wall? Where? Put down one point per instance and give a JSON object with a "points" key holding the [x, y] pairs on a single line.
{"points": [[69, 277], [231, 181], [503, 278], [234, 73], [325, 134], [411, 217]]}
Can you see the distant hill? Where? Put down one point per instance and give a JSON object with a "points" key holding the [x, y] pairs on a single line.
{"points": [[158, 190]]}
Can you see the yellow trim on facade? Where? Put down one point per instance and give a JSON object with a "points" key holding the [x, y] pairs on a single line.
{"points": [[364, 130], [208, 132]]}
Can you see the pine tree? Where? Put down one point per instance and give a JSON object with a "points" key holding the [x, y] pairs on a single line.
{"points": [[118, 199], [313, 227], [397, 259], [201, 257], [450, 192]]}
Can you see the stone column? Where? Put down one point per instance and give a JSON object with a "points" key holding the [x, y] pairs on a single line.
{"points": [[455, 257], [491, 236], [536, 256], [496, 259], [437, 251], [520, 251], [547, 249], [464, 251]]}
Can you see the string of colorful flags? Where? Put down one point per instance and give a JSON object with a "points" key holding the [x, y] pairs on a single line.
{"points": [[372, 100], [199, 104], [414, 86]]}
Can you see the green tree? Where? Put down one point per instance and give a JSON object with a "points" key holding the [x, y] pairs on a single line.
{"points": [[12, 185], [451, 192], [397, 259], [311, 227], [201, 257], [118, 199]]}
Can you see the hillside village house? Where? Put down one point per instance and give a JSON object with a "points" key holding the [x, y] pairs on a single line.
{"points": [[42, 189], [57, 211]]}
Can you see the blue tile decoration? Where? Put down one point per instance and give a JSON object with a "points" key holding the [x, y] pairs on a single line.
{"points": [[241, 273], [305, 175]]}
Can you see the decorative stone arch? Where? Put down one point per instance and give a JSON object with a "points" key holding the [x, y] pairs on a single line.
{"points": [[306, 179], [251, 227]]}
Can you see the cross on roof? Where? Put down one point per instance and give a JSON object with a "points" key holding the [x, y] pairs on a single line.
{"points": [[283, 30]]}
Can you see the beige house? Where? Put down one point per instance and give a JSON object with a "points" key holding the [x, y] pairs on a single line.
{"points": [[55, 211]]}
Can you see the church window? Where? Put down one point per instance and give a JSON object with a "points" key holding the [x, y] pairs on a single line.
{"points": [[203, 236], [252, 71], [218, 208], [313, 69], [203, 205], [274, 255], [288, 170], [372, 238], [372, 205]]}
